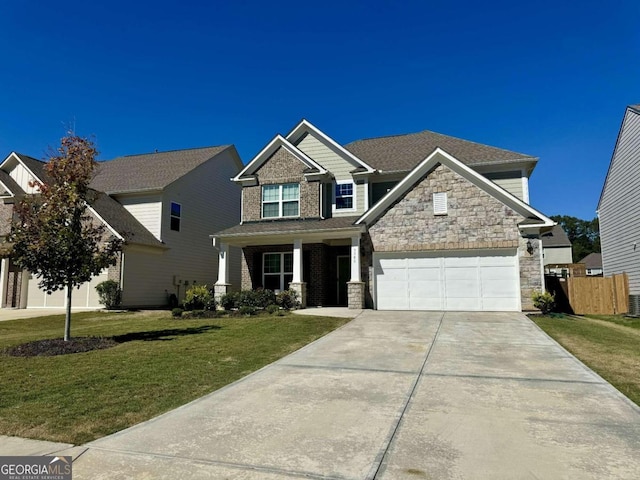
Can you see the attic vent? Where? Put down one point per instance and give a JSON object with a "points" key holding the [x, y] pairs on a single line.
{"points": [[440, 203], [634, 305]]}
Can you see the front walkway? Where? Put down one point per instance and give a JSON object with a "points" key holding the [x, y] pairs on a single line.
{"points": [[394, 395]]}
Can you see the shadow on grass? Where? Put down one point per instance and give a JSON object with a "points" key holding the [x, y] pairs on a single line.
{"points": [[163, 335]]}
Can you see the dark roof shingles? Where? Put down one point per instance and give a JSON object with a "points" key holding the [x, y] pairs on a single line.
{"points": [[555, 238], [403, 152], [151, 171], [286, 226]]}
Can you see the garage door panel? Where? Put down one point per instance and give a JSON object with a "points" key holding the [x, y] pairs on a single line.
{"points": [[462, 281]]}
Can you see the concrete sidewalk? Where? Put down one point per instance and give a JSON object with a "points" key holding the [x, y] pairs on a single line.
{"points": [[394, 395], [17, 313]]}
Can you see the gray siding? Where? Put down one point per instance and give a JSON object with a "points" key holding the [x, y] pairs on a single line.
{"points": [[554, 255], [335, 163], [620, 204], [146, 208], [510, 181], [210, 203]]}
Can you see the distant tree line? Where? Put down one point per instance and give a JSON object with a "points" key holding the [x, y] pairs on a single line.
{"points": [[583, 234]]}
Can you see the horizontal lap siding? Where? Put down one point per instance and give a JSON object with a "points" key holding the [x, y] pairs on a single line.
{"points": [[620, 204], [332, 161]]}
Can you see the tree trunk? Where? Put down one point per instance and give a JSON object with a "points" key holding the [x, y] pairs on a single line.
{"points": [[67, 320]]}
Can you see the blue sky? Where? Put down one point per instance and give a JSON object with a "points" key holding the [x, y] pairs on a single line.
{"points": [[550, 79]]}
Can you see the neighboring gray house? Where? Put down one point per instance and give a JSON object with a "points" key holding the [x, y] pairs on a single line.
{"points": [[593, 264], [163, 205], [421, 221], [619, 205], [556, 247]]}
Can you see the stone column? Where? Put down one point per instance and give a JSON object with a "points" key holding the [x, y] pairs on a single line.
{"points": [[355, 287], [355, 295], [222, 286]]}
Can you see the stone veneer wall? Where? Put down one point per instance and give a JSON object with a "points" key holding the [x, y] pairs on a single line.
{"points": [[475, 220], [6, 215], [281, 167], [114, 271]]}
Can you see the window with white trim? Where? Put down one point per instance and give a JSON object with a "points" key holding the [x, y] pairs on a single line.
{"points": [[281, 200], [175, 216], [344, 196], [440, 203], [277, 270]]}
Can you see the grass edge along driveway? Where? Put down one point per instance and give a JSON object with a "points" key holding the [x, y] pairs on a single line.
{"points": [[161, 363], [609, 345]]}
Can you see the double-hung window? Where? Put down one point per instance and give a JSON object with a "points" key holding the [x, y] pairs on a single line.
{"points": [[344, 196], [277, 271], [176, 215], [281, 200]]}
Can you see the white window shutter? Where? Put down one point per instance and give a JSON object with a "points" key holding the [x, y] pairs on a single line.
{"points": [[440, 203]]}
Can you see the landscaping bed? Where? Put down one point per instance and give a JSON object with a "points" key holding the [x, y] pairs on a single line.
{"points": [[156, 364]]}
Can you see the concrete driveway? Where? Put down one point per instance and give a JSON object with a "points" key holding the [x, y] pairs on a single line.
{"points": [[394, 395]]}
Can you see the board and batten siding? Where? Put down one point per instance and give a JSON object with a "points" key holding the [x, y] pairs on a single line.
{"points": [[146, 208], [620, 204], [209, 203], [335, 163], [22, 177]]}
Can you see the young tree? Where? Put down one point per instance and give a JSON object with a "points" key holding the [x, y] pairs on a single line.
{"points": [[53, 234]]}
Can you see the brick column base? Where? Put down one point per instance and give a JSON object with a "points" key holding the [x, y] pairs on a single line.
{"points": [[301, 289], [355, 295], [220, 289]]}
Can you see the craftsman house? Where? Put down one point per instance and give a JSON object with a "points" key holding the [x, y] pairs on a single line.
{"points": [[421, 221]]}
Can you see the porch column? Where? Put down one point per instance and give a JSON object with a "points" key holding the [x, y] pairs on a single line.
{"points": [[297, 284], [221, 287], [4, 280], [355, 287]]}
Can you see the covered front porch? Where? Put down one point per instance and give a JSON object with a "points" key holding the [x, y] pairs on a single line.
{"points": [[322, 265]]}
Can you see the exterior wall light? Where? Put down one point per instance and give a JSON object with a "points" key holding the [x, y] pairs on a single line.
{"points": [[529, 247]]}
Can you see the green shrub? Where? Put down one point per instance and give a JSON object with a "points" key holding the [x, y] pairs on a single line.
{"points": [[110, 293], [263, 297], [544, 301], [247, 310], [177, 312], [273, 309], [230, 300], [199, 297], [288, 299]]}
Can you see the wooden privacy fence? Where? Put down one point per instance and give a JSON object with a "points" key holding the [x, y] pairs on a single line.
{"points": [[591, 295]]}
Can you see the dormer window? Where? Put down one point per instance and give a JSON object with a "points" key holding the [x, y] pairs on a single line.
{"points": [[281, 200], [344, 196]]}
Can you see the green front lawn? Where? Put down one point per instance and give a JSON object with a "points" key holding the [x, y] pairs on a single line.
{"points": [[609, 345], [159, 364]]}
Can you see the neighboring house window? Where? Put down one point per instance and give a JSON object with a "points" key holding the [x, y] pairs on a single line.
{"points": [[281, 200], [277, 271], [440, 203], [176, 211], [344, 196]]}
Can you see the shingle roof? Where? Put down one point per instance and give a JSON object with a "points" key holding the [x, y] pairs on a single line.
{"points": [[555, 238], [36, 166], [151, 171], [287, 226], [404, 152], [122, 221], [593, 260], [10, 183]]}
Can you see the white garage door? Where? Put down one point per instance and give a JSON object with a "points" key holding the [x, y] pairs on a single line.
{"points": [[84, 297], [473, 281]]}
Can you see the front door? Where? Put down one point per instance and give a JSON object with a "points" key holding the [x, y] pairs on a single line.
{"points": [[344, 274]]}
